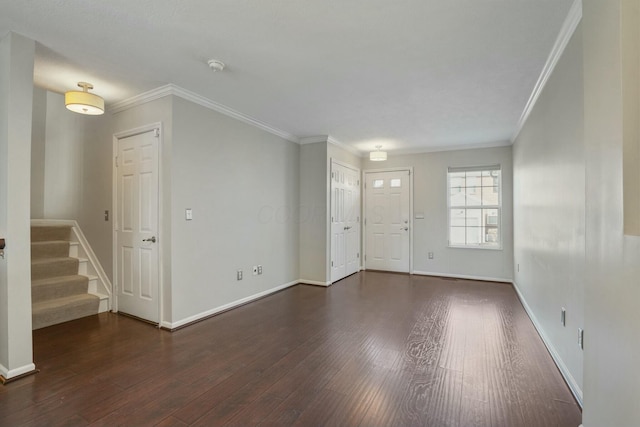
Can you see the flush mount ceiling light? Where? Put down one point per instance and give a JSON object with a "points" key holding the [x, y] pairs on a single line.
{"points": [[215, 65], [84, 102], [378, 155]]}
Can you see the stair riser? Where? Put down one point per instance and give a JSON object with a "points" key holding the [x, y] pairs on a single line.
{"points": [[58, 268], [58, 290], [44, 318], [44, 234], [49, 250]]}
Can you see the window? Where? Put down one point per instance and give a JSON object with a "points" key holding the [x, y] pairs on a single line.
{"points": [[474, 204]]}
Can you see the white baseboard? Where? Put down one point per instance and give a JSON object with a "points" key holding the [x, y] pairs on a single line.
{"points": [[573, 385], [314, 282], [225, 307], [462, 276], [10, 373]]}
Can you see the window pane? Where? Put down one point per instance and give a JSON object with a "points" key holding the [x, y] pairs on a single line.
{"points": [[457, 236], [457, 218], [490, 196], [457, 179], [474, 236], [473, 217], [457, 197], [396, 183], [474, 196], [378, 183]]}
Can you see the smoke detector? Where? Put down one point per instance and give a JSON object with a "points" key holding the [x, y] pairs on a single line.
{"points": [[215, 65]]}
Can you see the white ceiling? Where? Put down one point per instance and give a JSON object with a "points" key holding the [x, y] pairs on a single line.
{"points": [[410, 75]]}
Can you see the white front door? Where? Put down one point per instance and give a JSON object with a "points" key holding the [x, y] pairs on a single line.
{"points": [[388, 220], [345, 221], [136, 225]]}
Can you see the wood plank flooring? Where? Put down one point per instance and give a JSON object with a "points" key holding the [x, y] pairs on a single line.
{"points": [[375, 349]]}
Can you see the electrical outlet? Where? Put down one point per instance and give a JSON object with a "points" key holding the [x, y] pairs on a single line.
{"points": [[563, 316], [430, 255], [255, 270], [188, 214], [259, 269], [239, 274], [581, 338]]}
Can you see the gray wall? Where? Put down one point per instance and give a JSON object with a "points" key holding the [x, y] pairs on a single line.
{"points": [[243, 186], [71, 170], [430, 199], [612, 294], [549, 209]]}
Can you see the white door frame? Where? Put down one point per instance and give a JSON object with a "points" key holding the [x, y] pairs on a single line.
{"points": [[333, 161], [364, 204], [114, 209]]}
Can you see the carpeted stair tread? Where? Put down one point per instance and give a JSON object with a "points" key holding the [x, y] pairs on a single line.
{"points": [[51, 312], [50, 232], [58, 287], [53, 267], [50, 249]]}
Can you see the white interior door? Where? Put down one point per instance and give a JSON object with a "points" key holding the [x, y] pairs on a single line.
{"points": [[345, 221], [387, 221], [137, 225]]}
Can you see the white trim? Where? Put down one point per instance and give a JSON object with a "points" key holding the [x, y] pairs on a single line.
{"points": [[566, 32], [573, 385], [363, 228], [225, 307], [114, 200], [462, 276], [440, 148], [314, 282], [172, 89], [11, 373]]}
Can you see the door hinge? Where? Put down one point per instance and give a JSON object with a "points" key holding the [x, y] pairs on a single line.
{"points": [[358, 182], [358, 255], [333, 174], [116, 161], [357, 219], [156, 132], [331, 263]]}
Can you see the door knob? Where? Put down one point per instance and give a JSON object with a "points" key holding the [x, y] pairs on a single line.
{"points": [[405, 228], [150, 239]]}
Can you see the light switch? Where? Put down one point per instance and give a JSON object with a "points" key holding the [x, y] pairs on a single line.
{"points": [[188, 214]]}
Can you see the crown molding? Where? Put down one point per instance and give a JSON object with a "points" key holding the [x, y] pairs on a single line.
{"points": [[172, 89], [423, 150], [566, 32], [331, 140]]}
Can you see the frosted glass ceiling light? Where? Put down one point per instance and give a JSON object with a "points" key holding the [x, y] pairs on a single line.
{"points": [[84, 102], [378, 156]]}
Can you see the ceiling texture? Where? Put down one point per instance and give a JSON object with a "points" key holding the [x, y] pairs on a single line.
{"points": [[410, 75]]}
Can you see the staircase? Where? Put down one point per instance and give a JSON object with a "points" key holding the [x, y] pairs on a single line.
{"points": [[59, 284]]}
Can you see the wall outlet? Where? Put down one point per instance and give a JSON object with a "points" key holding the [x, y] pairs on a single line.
{"points": [[430, 255], [563, 316], [188, 214], [239, 274], [259, 269], [255, 270]]}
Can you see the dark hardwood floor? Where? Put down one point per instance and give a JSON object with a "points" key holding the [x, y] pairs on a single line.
{"points": [[375, 349]]}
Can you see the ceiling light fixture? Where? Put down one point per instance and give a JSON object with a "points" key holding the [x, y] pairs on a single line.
{"points": [[84, 102], [378, 155], [215, 65]]}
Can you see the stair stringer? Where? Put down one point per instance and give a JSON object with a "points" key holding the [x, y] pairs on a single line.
{"points": [[99, 283]]}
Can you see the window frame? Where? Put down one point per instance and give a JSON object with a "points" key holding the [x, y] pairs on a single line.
{"points": [[498, 207]]}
